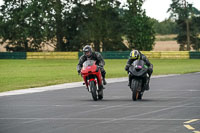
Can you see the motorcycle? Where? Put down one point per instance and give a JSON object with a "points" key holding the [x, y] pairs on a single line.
{"points": [[138, 74], [91, 74]]}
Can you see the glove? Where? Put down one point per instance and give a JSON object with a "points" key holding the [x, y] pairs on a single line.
{"points": [[100, 66], [126, 67], [79, 71]]}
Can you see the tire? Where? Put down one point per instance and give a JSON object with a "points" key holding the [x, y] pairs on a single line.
{"points": [[135, 95], [93, 90], [135, 84], [100, 94], [140, 96]]}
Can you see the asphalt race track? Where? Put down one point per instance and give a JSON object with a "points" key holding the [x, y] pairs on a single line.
{"points": [[171, 106]]}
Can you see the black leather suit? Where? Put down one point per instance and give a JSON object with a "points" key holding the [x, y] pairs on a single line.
{"points": [[94, 56], [144, 58]]}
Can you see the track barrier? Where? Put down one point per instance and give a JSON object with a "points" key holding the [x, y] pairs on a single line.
{"points": [[106, 55]]}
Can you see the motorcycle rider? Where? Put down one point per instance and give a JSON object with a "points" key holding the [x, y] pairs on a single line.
{"points": [[135, 55], [89, 54]]}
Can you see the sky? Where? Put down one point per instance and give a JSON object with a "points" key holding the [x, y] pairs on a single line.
{"points": [[157, 8]]}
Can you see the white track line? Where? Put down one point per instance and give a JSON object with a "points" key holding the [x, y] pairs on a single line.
{"points": [[67, 85], [95, 119], [104, 106], [133, 116]]}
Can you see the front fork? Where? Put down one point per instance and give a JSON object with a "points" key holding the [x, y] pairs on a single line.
{"points": [[88, 85], [144, 82]]}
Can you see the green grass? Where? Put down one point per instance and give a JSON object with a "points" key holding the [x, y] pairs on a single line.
{"points": [[20, 74]]}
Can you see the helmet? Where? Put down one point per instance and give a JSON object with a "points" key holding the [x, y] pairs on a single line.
{"points": [[87, 51], [134, 54]]}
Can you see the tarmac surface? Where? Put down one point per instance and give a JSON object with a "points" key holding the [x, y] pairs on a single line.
{"points": [[171, 106]]}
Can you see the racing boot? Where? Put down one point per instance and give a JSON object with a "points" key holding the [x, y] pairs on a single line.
{"points": [[129, 80], [147, 87], [104, 81], [101, 87], [147, 84], [86, 87], [129, 84]]}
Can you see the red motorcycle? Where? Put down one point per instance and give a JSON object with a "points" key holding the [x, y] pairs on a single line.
{"points": [[91, 74]]}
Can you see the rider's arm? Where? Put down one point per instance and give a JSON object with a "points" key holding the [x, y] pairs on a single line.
{"points": [[144, 58], [149, 65], [100, 59], [129, 62], [81, 61]]}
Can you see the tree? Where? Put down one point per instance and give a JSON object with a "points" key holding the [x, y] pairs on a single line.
{"points": [[20, 21], [73, 20], [139, 28], [167, 26], [195, 22], [97, 23], [104, 25], [25, 24], [184, 12]]}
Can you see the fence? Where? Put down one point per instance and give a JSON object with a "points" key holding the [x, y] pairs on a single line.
{"points": [[52, 55], [106, 55], [167, 55], [12, 55], [194, 55], [113, 54]]}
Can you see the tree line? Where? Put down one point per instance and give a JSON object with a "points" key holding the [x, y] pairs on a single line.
{"points": [[27, 24], [185, 22], [187, 19]]}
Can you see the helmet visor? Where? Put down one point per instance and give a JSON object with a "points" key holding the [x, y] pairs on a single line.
{"points": [[87, 53], [134, 55]]}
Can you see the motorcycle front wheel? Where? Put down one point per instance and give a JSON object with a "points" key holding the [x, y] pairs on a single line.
{"points": [[140, 95], [93, 90], [135, 84]]}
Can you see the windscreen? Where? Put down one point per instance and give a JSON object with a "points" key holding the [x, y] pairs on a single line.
{"points": [[138, 63], [88, 63]]}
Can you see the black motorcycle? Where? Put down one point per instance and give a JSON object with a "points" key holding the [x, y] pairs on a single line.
{"points": [[139, 78]]}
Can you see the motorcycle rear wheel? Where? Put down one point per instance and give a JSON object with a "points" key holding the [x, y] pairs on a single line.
{"points": [[93, 90]]}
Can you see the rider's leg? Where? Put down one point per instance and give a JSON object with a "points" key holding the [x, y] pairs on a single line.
{"points": [[150, 70], [129, 80], [103, 72], [147, 82]]}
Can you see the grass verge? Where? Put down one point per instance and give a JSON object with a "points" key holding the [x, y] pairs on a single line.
{"points": [[20, 74]]}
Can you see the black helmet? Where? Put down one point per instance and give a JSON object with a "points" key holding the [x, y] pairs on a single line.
{"points": [[135, 54], [87, 51]]}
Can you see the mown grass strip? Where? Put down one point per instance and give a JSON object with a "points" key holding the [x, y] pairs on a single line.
{"points": [[20, 74]]}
